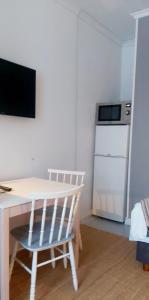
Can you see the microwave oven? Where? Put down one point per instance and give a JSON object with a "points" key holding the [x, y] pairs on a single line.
{"points": [[114, 113]]}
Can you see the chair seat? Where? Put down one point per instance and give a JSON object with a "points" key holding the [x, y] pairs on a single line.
{"points": [[49, 211], [21, 235]]}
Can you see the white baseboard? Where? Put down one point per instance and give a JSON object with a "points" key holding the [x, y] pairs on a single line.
{"points": [[86, 215], [127, 221]]}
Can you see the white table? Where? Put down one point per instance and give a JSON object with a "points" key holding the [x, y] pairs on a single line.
{"points": [[15, 203]]}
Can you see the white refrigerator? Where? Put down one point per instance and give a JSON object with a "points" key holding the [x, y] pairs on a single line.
{"points": [[110, 171]]}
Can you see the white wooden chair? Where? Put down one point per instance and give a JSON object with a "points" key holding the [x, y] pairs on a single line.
{"points": [[71, 177], [48, 233]]}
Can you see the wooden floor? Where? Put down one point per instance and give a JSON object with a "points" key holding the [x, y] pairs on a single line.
{"points": [[108, 270]]}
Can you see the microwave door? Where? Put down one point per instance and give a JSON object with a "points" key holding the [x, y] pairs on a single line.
{"points": [[109, 112]]}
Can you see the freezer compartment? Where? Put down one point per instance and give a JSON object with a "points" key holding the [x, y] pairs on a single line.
{"points": [[112, 140], [109, 189]]}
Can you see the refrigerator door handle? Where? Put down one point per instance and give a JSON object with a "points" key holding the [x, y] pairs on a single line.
{"points": [[109, 155]]}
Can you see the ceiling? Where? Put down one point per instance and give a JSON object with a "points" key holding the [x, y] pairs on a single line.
{"points": [[113, 14]]}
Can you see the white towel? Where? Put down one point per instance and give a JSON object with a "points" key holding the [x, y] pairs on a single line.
{"points": [[138, 229]]}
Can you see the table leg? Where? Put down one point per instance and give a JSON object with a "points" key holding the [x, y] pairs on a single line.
{"points": [[79, 232], [76, 240], [4, 254]]}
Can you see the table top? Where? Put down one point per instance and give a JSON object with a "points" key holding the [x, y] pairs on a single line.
{"points": [[21, 188]]}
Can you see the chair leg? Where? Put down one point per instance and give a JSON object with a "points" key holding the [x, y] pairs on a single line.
{"points": [[65, 258], [33, 275], [53, 263], [14, 253], [73, 267]]}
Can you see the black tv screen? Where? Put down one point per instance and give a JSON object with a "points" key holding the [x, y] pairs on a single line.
{"points": [[17, 90]]}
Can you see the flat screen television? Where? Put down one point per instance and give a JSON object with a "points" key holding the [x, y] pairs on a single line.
{"points": [[17, 90]]}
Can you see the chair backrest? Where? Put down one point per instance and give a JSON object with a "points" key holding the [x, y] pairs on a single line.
{"points": [[63, 227], [71, 177]]}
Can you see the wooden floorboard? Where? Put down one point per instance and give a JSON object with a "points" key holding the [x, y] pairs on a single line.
{"points": [[108, 270]]}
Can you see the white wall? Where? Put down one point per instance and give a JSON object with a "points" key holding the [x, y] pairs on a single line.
{"points": [[78, 64], [99, 77], [41, 35], [127, 70]]}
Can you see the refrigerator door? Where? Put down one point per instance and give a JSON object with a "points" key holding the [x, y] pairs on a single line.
{"points": [[109, 187], [112, 140]]}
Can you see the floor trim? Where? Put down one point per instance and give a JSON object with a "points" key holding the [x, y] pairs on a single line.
{"points": [[128, 221]]}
